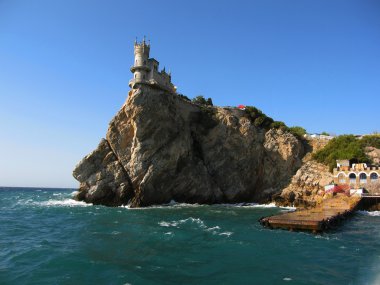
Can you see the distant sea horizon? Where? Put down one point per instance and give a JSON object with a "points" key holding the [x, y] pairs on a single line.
{"points": [[38, 187]]}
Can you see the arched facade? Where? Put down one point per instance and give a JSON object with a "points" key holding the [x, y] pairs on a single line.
{"points": [[363, 178], [357, 177], [352, 177], [342, 178]]}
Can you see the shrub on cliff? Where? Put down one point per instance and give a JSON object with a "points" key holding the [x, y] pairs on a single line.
{"points": [[258, 118], [202, 101], [370, 140], [298, 131], [279, 125], [342, 147], [184, 97]]}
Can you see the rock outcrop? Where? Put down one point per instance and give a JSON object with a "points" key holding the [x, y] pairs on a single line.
{"points": [[160, 147], [374, 154], [307, 185]]}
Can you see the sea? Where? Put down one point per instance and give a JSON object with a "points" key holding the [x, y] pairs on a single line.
{"points": [[48, 238]]}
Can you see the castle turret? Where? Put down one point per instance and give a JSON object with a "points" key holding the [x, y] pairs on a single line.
{"points": [[145, 70], [141, 66]]}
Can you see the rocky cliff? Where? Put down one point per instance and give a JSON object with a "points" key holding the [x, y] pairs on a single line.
{"points": [[307, 185], [160, 147]]}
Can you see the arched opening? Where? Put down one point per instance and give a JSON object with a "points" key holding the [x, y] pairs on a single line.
{"points": [[363, 178], [341, 178], [374, 177], [352, 178]]}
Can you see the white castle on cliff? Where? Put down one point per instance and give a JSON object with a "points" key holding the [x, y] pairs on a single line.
{"points": [[145, 70]]}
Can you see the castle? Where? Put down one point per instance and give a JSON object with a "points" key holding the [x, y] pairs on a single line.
{"points": [[145, 70]]}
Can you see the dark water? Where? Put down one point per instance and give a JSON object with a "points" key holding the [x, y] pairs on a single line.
{"points": [[47, 238]]}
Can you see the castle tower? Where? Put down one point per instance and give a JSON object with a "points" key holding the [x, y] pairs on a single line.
{"points": [[145, 70], [141, 67]]}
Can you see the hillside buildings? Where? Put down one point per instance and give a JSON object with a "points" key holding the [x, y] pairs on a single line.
{"points": [[357, 175]]}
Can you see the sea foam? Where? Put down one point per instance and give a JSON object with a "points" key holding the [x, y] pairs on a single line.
{"points": [[174, 204], [370, 213], [215, 230], [63, 203]]}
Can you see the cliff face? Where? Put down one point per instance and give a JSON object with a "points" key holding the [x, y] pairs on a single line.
{"points": [[160, 147], [307, 185]]}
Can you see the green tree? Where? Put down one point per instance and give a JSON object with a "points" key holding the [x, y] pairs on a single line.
{"points": [[259, 121], [297, 131], [370, 140], [202, 101], [342, 147], [278, 125], [184, 97]]}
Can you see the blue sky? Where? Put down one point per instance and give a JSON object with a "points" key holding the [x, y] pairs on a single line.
{"points": [[64, 69]]}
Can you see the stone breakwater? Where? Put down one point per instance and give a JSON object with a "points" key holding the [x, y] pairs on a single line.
{"points": [[160, 147]]}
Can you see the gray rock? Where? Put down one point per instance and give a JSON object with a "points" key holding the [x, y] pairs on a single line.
{"points": [[160, 147]]}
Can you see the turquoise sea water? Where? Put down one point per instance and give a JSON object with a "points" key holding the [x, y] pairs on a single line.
{"points": [[47, 238]]}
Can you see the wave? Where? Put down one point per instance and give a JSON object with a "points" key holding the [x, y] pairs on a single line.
{"points": [[370, 213], [225, 234], [176, 223], [174, 204], [63, 203], [215, 230]]}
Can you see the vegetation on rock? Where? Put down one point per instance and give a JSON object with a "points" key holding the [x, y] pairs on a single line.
{"points": [[259, 119], [184, 97], [298, 131], [370, 141], [344, 147], [202, 100]]}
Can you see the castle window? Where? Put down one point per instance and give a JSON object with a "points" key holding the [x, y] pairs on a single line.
{"points": [[144, 77], [352, 178], [144, 62], [374, 177], [363, 178]]}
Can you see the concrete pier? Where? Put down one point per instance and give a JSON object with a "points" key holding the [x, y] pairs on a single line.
{"points": [[324, 216]]}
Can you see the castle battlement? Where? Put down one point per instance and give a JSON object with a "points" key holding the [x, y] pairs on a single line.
{"points": [[146, 70]]}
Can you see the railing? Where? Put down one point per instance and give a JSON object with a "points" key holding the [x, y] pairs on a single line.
{"points": [[370, 194]]}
